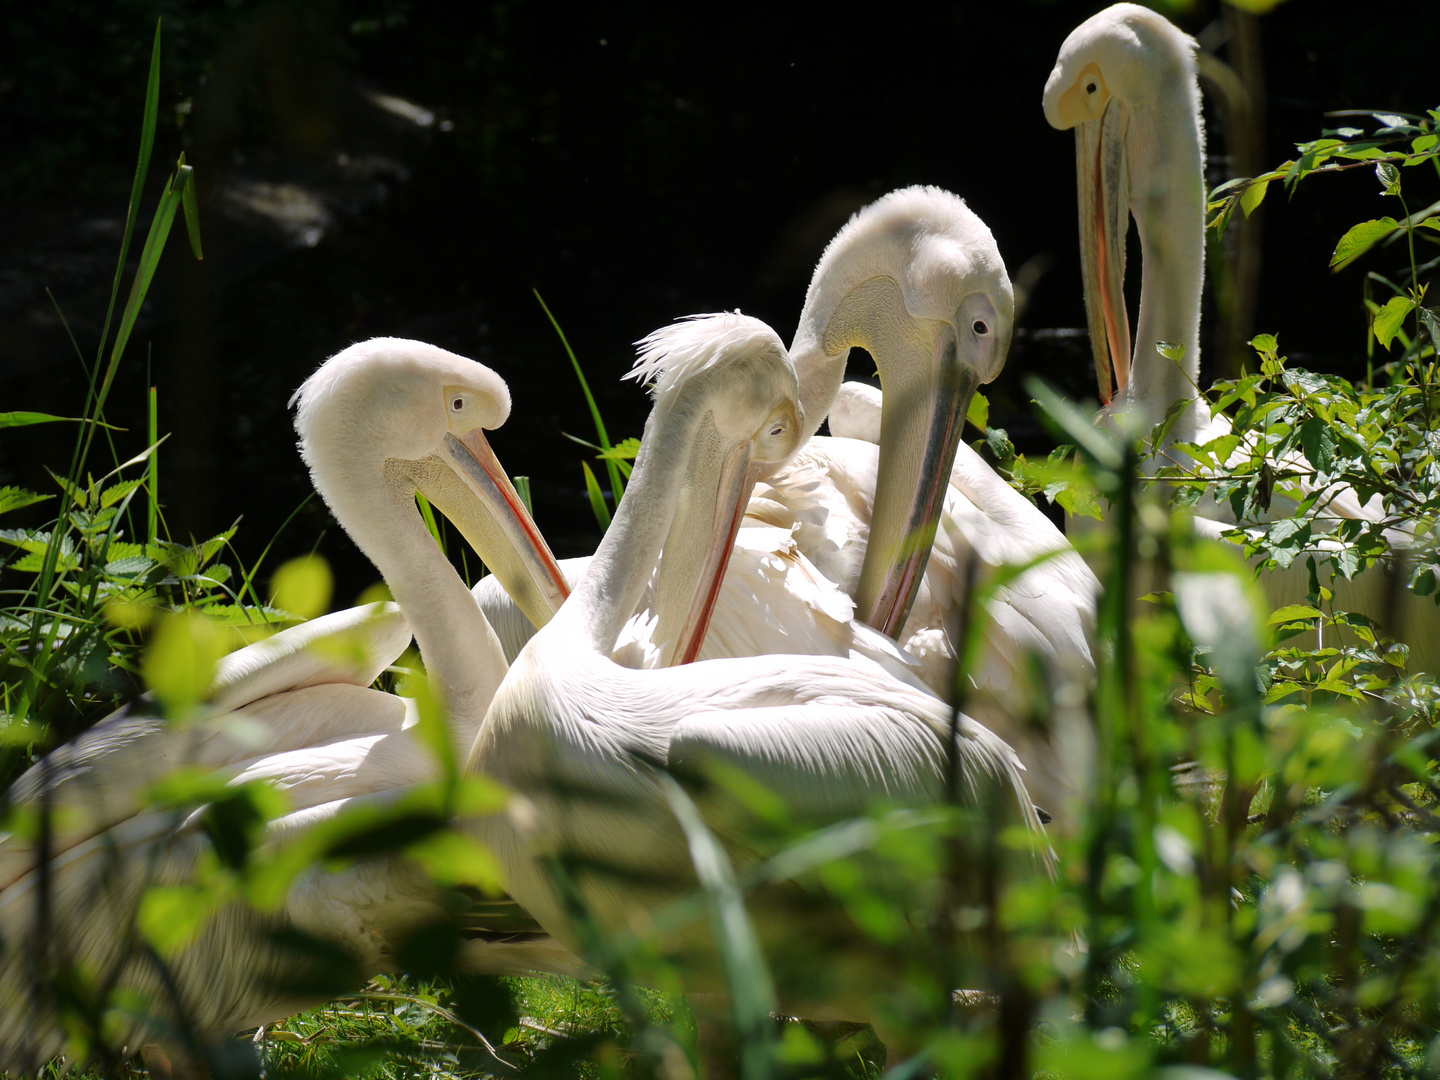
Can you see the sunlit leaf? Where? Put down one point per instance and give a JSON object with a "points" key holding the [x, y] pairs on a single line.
{"points": [[453, 858], [1253, 197], [1291, 612], [1391, 317], [303, 586], [180, 664], [1360, 239], [1389, 177], [115, 492], [979, 411], [13, 498], [597, 498], [26, 419], [171, 916], [624, 450]]}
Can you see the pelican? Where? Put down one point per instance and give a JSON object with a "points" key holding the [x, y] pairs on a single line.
{"points": [[1125, 81], [830, 736], [377, 422], [917, 280]]}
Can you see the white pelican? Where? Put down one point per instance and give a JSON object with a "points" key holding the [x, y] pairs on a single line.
{"points": [[377, 423], [1125, 81], [829, 736], [917, 280]]}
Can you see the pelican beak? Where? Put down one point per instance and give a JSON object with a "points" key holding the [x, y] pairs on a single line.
{"points": [[738, 475], [506, 538], [921, 421], [1102, 181]]}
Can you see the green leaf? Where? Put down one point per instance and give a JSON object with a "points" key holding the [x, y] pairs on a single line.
{"points": [[1254, 195], [1424, 143], [597, 498], [1318, 441], [1291, 612], [303, 585], [115, 492], [1076, 425], [1424, 581], [192, 212], [1389, 177], [1171, 350], [25, 419], [1431, 319], [1360, 239], [625, 450], [1390, 318], [129, 567], [998, 440], [170, 916], [522, 488], [180, 663], [13, 498], [1265, 345], [979, 411], [453, 858]]}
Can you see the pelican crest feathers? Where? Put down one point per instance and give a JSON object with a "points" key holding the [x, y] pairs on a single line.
{"points": [[699, 343]]}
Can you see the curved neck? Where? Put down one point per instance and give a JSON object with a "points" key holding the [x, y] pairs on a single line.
{"points": [[870, 314], [613, 585], [461, 652], [1167, 197], [819, 374]]}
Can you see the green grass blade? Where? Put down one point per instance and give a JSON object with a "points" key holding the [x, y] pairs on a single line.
{"points": [[26, 419], [617, 485], [247, 581], [428, 514], [142, 168], [153, 484], [47, 579], [597, 497], [752, 994], [149, 260], [522, 488], [191, 207]]}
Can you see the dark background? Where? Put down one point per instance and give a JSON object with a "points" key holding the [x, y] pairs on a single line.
{"points": [[416, 169]]}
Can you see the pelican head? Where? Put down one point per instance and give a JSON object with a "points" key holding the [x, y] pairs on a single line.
{"points": [[1125, 81], [917, 280], [402, 416], [727, 405]]}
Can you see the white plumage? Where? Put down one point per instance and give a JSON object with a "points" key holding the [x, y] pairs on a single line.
{"points": [[1125, 81], [580, 736], [377, 422]]}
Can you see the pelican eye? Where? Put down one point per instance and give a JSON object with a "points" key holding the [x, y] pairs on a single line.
{"points": [[1091, 86], [981, 327], [457, 403], [778, 429]]}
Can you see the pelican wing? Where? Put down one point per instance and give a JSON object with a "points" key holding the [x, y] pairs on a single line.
{"points": [[834, 754]]}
